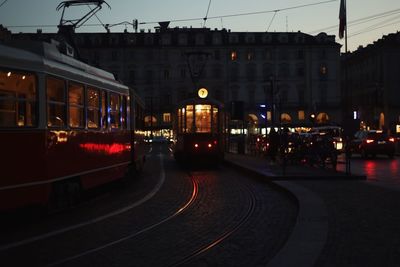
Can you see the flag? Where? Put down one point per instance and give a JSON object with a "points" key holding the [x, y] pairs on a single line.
{"points": [[342, 18]]}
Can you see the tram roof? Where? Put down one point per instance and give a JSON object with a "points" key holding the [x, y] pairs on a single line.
{"points": [[45, 57], [197, 100]]}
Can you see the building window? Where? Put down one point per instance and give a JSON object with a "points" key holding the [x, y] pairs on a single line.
{"points": [[217, 40], [323, 70], [167, 117], [234, 55], [166, 74], [182, 40], [200, 39], [300, 54], [233, 39], [183, 73], [301, 115], [250, 55]]}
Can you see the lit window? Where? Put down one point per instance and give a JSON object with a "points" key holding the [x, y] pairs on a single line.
{"points": [[115, 110], [167, 117], [55, 89], [17, 99], [323, 70], [76, 105], [301, 115], [93, 108], [250, 56], [233, 55]]}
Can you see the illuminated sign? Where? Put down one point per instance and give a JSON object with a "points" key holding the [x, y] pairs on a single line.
{"points": [[202, 92]]}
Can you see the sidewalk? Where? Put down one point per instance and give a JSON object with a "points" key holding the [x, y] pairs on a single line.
{"points": [[343, 220], [290, 172]]}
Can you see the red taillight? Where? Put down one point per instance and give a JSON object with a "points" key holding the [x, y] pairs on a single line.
{"points": [[215, 142], [196, 145], [369, 141], [391, 139]]}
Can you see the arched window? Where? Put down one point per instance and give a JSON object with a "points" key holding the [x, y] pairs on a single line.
{"points": [[322, 118], [285, 118]]}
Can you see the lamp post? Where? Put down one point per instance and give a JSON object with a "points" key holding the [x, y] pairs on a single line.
{"points": [[271, 80]]}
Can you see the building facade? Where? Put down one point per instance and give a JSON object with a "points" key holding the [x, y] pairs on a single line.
{"points": [[279, 77], [373, 82]]}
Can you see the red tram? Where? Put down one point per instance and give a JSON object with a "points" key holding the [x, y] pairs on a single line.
{"points": [[64, 126], [199, 130]]}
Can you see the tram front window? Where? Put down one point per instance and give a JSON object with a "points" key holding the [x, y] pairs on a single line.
{"points": [[203, 118]]}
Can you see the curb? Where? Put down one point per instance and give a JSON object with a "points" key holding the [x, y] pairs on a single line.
{"points": [[310, 232]]}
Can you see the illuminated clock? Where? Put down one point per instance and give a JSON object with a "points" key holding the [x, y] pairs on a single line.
{"points": [[202, 92]]}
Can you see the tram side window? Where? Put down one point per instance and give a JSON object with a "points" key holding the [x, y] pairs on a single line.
{"points": [[215, 120], [93, 108], [17, 99], [179, 120], [115, 110], [55, 89], [125, 112], [104, 110], [189, 119], [76, 105]]}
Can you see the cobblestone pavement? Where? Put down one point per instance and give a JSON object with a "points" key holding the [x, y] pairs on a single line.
{"points": [[363, 219], [232, 221]]}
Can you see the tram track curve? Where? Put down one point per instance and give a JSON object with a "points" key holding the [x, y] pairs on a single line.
{"points": [[225, 234]]}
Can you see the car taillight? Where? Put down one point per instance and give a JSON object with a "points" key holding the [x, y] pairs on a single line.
{"points": [[196, 145], [369, 141], [391, 139]]}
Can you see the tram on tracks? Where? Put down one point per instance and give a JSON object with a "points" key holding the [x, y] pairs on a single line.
{"points": [[65, 126], [199, 130]]}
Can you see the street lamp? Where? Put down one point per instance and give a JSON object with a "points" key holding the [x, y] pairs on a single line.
{"points": [[271, 80]]}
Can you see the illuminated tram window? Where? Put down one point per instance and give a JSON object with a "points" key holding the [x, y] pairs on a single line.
{"points": [[215, 120], [17, 99], [189, 127], [93, 108], [115, 110], [76, 105], [203, 118], [55, 89], [104, 110]]}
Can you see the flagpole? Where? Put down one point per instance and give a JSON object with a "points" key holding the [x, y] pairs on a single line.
{"points": [[345, 27]]}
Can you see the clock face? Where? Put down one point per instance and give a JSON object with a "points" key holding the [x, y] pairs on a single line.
{"points": [[202, 92]]}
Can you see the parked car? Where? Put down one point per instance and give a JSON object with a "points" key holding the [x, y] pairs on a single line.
{"points": [[336, 132], [372, 142]]}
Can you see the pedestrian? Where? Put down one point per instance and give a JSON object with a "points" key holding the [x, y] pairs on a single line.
{"points": [[273, 144]]}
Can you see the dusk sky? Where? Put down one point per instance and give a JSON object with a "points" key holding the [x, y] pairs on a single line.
{"points": [[368, 20]]}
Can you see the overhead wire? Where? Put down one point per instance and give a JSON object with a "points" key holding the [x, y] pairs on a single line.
{"points": [[3, 3], [270, 23], [358, 21], [195, 19], [208, 9]]}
